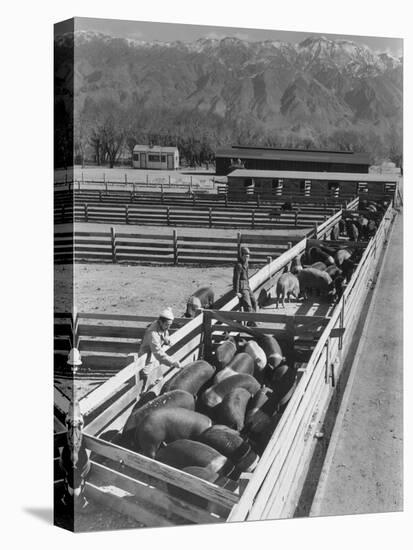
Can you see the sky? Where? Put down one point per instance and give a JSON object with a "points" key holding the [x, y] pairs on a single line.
{"points": [[167, 32]]}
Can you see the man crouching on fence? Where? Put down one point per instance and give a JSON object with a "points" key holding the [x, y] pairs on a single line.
{"points": [[241, 285], [155, 338]]}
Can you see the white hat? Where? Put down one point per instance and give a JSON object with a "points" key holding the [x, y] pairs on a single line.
{"points": [[74, 357], [167, 314]]}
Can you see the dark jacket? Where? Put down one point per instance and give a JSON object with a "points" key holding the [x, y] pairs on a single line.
{"points": [[240, 277]]}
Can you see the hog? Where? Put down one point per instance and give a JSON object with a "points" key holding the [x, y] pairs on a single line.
{"points": [[257, 354], [167, 425], [314, 279], [231, 411], [315, 254], [321, 266], [352, 231], [191, 377], [185, 452], [341, 255], [214, 395], [201, 298], [224, 352], [296, 265], [333, 271], [171, 399], [287, 285]]}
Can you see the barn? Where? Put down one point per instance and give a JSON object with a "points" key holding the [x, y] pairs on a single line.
{"points": [[308, 160], [155, 157], [269, 184]]}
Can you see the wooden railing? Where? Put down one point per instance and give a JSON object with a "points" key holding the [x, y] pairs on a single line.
{"points": [[118, 247]]}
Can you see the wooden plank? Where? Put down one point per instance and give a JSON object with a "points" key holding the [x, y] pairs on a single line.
{"points": [[163, 472], [106, 346], [135, 333], [150, 497], [109, 388], [124, 504], [110, 413]]}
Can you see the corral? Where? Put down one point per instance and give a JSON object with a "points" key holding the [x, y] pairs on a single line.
{"points": [[273, 490]]}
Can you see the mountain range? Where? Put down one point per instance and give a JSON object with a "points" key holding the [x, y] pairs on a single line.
{"points": [[320, 91]]}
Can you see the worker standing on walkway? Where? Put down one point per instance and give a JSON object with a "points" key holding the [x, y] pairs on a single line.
{"points": [[241, 285], [155, 339]]}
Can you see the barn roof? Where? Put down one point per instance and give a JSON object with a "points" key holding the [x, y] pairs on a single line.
{"points": [[307, 155], [301, 175]]}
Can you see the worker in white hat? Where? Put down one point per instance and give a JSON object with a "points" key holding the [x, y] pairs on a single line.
{"points": [[241, 285], [155, 338]]}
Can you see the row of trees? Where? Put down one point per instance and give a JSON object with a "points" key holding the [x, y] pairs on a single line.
{"points": [[105, 131]]}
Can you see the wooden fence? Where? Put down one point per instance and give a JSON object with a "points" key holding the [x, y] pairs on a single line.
{"points": [[273, 490], [221, 218], [172, 249]]}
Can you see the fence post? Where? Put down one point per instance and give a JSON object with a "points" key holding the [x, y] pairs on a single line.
{"points": [[193, 199], [86, 212], [126, 178], [290, 245], [175, 246], [63, 213], [207, 334], [226, 200], [269, 260], [315, 230], [162, 197], [168, 219], [253, 218], [100, 196], [169, 180], [340, 340], [106, 186], [258, 200], [127, 213], [210, 216], [296, 218], [113, 240], [133, 187], [239, 238]]}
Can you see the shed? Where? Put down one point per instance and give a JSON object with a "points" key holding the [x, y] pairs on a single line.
{"points": [[155, 157]]}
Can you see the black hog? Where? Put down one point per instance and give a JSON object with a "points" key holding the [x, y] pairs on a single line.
{"points": [[167, 425], [201, 298], [287, 285], [191, 377], [315, 280], [315, 254]]}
